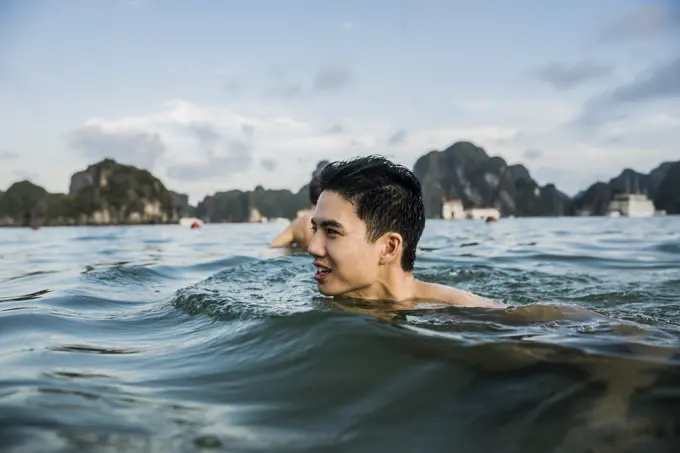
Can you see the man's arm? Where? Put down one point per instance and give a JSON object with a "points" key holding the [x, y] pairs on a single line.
{"points": [[284, 239], [454, 296], [469, 299]]}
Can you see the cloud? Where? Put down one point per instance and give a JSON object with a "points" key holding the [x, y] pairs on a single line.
{"points": [[244, 138], [130, 145], [337, 128], [532, 154], [292, 81], [248, 130], [220, 147], [227, 158], [525, 112], [332, 78], [646, 21], [659, 83], [232, 86], [238, 147], [564, 77], [283, 81], [206, 134], [214, 167], [287, 90], [397, 138], [664, 120], [8, 155], [482, 135], [567, 171], [268, 164], [26, 175]]}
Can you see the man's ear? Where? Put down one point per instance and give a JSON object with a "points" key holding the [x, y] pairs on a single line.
{"points": [[393, 245]]}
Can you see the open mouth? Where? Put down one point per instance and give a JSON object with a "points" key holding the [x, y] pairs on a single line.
{"points": [[321, 271]]}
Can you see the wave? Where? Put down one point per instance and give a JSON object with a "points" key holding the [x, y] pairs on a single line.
{"points": [[176, 340]]}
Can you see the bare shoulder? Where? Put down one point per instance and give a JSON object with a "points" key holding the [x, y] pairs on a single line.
{"points": [[453, 296]]}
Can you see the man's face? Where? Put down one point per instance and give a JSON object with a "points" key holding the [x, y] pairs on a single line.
{"points": [[347, 264]]}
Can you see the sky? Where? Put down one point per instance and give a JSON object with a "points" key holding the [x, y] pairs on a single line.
{"points": [[219, 95]]}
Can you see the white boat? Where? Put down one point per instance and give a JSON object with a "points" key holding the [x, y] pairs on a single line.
{"points": [[189, 221], [631, 205]]}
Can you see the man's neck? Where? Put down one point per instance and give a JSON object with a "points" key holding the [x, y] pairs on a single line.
{"points": [[394, 284]]}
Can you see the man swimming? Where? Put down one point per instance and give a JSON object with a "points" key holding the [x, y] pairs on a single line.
{"points": [[299, 232], [366, 227]]}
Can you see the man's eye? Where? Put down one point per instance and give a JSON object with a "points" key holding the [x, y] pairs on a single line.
{"points": [[332, 232]]}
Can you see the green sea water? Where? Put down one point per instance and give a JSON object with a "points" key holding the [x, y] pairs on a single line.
{"points": [[163, 338]]}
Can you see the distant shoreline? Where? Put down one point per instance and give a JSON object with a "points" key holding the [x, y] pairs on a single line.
{"points": [[457, 221], [125, 225]]}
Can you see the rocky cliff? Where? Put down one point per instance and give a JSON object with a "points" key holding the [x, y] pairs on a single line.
{"points": [[659, 185], [114, 193], [182, 200], [109, 193], [465, 171], [668, 195], [103, 194], [237, 205], [23, 203]]}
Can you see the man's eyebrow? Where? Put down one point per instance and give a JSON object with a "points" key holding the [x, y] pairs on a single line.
{"points": [[327, 223]]}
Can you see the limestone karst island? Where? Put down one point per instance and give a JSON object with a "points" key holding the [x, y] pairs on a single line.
{"points": [[460, 182]]}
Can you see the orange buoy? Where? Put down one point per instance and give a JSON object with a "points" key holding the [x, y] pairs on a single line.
{"points": [[195, 225], [490, 219]]}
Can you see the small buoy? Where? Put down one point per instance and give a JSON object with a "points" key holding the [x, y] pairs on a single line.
{"points": [[195, 225], [490, 219], [35, 228]]}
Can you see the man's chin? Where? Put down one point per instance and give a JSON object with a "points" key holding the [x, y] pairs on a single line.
{"points": [[324, 291], [337, 292], [327, 290]]}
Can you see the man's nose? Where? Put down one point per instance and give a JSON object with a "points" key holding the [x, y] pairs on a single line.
{"points": [[316, 246]]}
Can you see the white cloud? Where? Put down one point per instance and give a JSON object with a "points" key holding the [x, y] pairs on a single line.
{"points": [[571, 158], [209, 148], [522, 112], [134, 145], [660, 120], [639, 127], [26, 175], [644, 21], [575, 168], [474, 134], [8, 155], [200, 155]]}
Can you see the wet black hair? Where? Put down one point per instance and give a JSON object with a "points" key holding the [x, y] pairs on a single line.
{"points": [[315, 183], [314, 190], [387, 196]]}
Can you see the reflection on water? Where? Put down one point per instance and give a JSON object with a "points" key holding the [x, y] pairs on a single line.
{"points": [[171, 339]]}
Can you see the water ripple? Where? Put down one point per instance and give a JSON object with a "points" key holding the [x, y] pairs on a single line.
{"points": [[169, 339]]}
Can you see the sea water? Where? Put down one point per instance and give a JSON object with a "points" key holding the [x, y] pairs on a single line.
{"points": [[163, 338]]}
